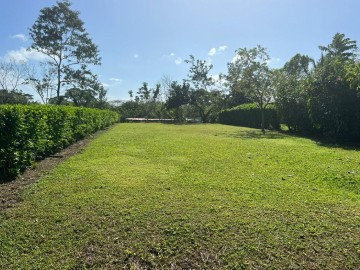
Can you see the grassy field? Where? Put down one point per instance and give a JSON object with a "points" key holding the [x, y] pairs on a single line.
{"points": [[153, 196]]}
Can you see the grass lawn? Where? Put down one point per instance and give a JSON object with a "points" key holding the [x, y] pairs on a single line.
{"points": [[155, 196]]}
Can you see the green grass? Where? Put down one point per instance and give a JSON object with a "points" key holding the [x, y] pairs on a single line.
{"points": [[190, 197]]}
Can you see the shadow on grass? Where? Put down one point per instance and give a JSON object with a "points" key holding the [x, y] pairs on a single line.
{"points": [[257, 134], [323, 142]]}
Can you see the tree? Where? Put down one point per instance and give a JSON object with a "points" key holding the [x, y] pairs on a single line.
{"points": [[59, 34], [14, 97], [148, 97], [291, 87], [207, 101], [89, 92], [199, 74], [178, 96], [42, 83], [12, 76], [334, 105], [84, 98], [249, 72], [353, 75], [341, 46]]}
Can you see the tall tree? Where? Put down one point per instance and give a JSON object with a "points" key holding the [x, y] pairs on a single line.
{"points": [[59, 33], [42, 81], [199, 73], [12, 74], [148, 97], [340, 46], [178, 96], [249, 71], [205, 99], [334, 105], [353, 75], [291, 85]]}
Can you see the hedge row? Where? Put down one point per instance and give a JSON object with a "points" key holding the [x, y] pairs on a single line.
{"points": [[32, 132], [249, 115]]}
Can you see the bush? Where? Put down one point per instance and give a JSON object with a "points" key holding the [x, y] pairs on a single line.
{"points": [[32, 132], [249, 115]]}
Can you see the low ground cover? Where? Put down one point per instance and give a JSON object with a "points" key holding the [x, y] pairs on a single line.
{"points": [[163, 196]]}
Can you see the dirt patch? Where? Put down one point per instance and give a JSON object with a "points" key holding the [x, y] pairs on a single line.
{"points": [[11, 192]]}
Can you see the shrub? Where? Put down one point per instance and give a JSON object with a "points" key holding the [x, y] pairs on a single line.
{"points": [[249, 115], [30, 132]]}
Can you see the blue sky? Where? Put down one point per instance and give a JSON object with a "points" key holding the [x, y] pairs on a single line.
{"points": [[141, 40]]}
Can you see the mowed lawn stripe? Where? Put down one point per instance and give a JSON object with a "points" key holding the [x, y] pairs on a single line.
{"points": [[157, 196]]}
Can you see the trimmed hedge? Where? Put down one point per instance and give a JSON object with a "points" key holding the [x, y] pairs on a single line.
{"points": [[249, 115], [30, 132]]}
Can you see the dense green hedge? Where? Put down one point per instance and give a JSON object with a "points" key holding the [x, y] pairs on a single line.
{"points": [[31, 132], [249, 115]]}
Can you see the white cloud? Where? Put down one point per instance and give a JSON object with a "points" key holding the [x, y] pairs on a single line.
{"points": [[178, 60], [136, 56], [172, 57], [24, 55], [21, 37], [222, 48], [113, 82], [116, 80], [212, 52]]}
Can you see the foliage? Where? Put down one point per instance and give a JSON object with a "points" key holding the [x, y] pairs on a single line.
{"points": [[178, 96], [12, 74], [199, 76], [322, 97], [59, 34], [334, 107], [292, 84], [249, 115], [207, 101], [249, 72], [14, 97], [334, 104], [146, 103], [31, 132], [43, 83], [353, 75], [340, 47]]}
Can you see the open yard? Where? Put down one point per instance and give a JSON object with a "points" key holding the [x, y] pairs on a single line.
{"points": [[156, 196]]}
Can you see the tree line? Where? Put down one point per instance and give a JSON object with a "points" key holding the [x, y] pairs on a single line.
{"points": [[312, 96]]}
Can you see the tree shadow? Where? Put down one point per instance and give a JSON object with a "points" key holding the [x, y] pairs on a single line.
{"points": [[320, 141], [257, 134]]}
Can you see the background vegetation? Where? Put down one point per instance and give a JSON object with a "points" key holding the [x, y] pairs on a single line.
{"points": [[249, 115], [313, 97]]}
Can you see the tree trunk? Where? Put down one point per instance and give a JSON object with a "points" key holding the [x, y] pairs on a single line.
{"points": [[58, 87], [262, 120]]}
